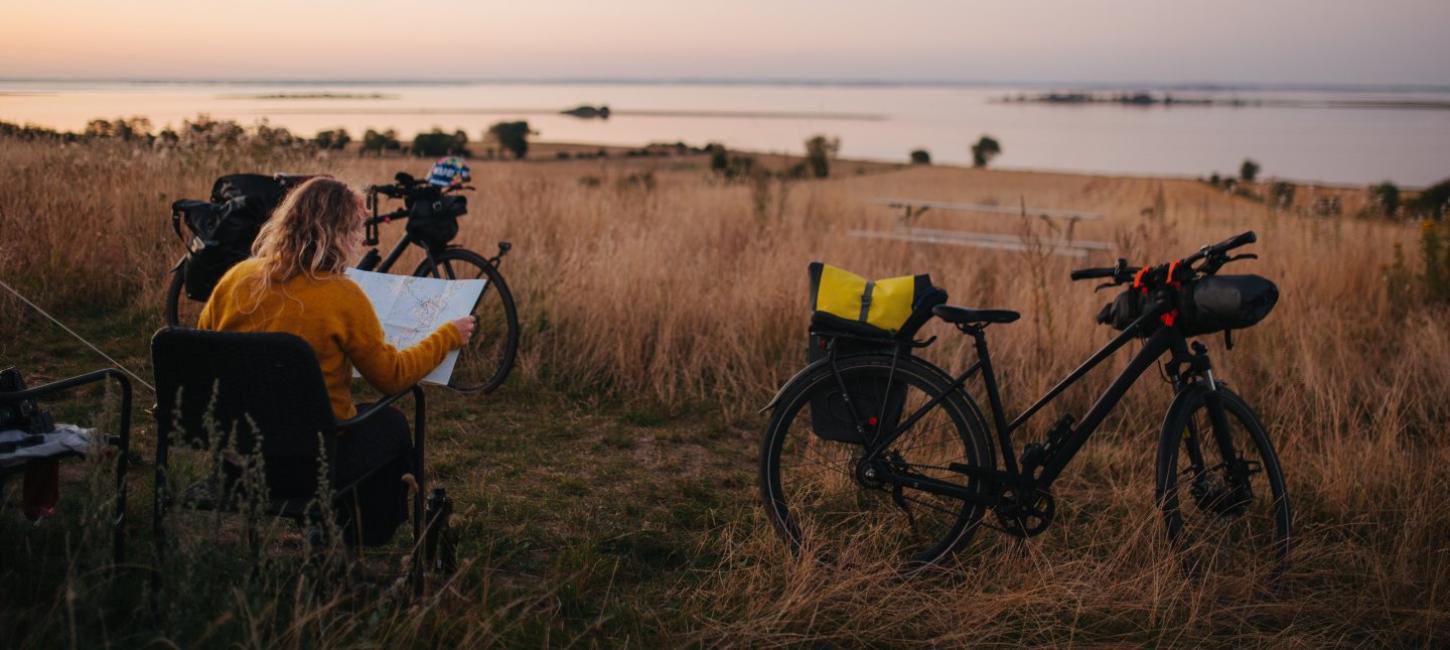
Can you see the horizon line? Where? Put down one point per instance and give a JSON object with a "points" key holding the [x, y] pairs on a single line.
{"points": [[1201, 86]]}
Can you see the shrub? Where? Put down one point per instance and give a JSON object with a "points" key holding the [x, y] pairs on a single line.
{"points": [[819, 152], [985, 150], [378, 142], [1283, 194], [1434, 201], [332, 139], [439, 143], [512, 136], [920, 157], [640, 181], [1249, 170], [122, 128], [1386, 198]]}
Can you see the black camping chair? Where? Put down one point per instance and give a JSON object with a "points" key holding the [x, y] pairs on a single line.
{"points": [[122, 440], [266, 384]]}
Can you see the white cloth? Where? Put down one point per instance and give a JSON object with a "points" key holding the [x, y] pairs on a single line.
{"points": [[65, 439]]}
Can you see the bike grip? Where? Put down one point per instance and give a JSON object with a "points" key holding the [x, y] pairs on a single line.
{"points": [[1240, 240], [1088, 274]]}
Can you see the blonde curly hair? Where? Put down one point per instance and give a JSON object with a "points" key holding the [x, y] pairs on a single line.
{"points": [[313, 232]]}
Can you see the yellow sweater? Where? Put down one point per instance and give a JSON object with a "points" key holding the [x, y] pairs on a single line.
{"points": [[334, 316]]}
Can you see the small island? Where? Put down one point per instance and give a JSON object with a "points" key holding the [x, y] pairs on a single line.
{"points": [[587, 112]]}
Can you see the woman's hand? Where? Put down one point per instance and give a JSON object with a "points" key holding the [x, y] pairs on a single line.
{"points": [[465, 327]]}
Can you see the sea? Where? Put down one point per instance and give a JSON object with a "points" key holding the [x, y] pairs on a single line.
{"points": [[1336, 135]]}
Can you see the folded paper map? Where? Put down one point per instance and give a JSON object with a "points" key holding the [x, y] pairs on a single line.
{"points": [[412, 308]]}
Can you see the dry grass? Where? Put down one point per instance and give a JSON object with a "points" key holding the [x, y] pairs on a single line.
{"points": [[691, 297]]}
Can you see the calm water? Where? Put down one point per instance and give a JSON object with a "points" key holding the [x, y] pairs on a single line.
{"points": [[881, 122]]}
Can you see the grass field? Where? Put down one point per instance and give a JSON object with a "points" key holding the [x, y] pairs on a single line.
{"points": [[607, 493]]}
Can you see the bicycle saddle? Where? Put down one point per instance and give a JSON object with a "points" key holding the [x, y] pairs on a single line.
{"points": [[969, 316]]}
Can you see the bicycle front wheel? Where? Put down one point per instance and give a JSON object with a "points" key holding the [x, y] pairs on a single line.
{"points": [[826, 504], [1221, 488], [485, 361]]}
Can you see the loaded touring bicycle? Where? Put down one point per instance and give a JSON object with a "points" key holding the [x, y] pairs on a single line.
{"points": [[873, 453]]}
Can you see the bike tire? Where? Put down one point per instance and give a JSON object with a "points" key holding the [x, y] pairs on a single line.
{"points": [[1228, 527], [485, 361], [796, 511], [177, 304]]}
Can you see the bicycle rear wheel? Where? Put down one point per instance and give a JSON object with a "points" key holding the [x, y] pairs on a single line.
{"points": [[181, 311], [822, 502], [1221, 488], [485, 361]]}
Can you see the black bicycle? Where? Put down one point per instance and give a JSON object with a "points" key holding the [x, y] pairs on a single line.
{"points": [[879, 454], [431, 214]]}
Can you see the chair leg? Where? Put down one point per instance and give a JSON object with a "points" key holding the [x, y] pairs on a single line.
{"points": [[122, 463], [118, 532], [159, 497], [421, 477]]}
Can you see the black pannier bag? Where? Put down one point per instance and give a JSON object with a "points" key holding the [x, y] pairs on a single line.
{"points": [[433, 216], [1226, 302], [225, 227], [830, 415]]}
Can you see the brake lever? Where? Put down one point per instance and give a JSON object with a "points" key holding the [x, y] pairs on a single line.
{"points": [[1245, 256], [1107, 285]]}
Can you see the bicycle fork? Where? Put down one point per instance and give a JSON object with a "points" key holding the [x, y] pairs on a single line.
{"points": [[1235, 469]]}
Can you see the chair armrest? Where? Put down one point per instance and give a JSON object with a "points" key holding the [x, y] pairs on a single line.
{"points": [[81, 380], [379, 406]]}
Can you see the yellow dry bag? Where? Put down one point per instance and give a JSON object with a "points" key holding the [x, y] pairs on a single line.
{"points": [[883, 304]]}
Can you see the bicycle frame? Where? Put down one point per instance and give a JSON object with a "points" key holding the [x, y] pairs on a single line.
{"points": [[387, 264], [1164, 339]]}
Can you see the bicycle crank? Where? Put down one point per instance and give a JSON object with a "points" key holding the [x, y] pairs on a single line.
{"points": [[1025, 518]]}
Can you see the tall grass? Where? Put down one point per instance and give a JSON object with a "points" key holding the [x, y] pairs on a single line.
{"points": [[688, 294]]}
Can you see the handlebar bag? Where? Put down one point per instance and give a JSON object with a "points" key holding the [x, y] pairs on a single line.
{"points": [[877, 315], [1123, 310], [433, 216], [1226, 302]]}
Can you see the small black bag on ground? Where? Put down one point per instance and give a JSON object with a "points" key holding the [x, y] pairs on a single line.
{"points": [[1226, 302], [831, 417], [433, 216], [225, 227]]}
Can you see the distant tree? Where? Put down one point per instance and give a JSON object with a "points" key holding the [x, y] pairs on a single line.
{"points": [[332, 139], [512, 136], [1214, 179], [1249, 170], [207, 132], [985, 150], [1386, 197], [440, 143], [920, 157], [1434, 201], [719, 157], [121, 128], [379, 142], [819, 152]]}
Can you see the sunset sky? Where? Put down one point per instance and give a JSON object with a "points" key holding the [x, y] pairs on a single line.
{"points": [[1255, 41]]}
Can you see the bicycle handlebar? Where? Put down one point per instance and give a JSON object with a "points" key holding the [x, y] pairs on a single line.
{"points": [[1094, 273], [1215, 254]]}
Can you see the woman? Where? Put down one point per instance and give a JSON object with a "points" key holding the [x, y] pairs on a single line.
{"points": [[294, 283]]}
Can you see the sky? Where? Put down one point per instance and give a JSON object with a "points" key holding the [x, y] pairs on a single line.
{"points": [[1158, 41]]}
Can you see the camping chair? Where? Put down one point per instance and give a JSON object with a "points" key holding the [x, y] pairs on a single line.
{"points": [[122, 440], [266, 384]]}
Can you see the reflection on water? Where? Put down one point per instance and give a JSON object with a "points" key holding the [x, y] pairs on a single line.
{"points": [[1348, 145]]}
